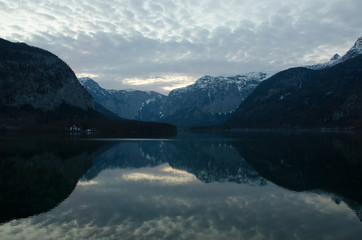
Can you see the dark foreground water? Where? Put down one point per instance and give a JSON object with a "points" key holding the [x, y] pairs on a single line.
{"points": [[244, 186]]}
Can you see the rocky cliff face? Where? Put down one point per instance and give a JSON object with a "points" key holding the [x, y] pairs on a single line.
{"points": [[125, 103], [328, 96], [35, 77]]}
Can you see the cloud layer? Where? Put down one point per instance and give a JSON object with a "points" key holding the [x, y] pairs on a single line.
{"points": [[144, 39]]}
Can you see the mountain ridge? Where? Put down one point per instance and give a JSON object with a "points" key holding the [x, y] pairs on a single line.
{"points": [[208, 101]]}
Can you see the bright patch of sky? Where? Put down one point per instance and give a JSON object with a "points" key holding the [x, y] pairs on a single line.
{"points": [[126, 43]]}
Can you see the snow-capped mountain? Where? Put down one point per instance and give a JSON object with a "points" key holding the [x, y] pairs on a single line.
{"points": [[208, 101], [125, 103], [355, 51]]}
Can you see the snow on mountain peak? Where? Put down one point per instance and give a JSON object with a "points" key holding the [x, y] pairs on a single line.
{"points": [[354, 51], [223, 82], [335, 57], [358, 45], [88, 82], [351, 53], [211, 81], [83, 80]]}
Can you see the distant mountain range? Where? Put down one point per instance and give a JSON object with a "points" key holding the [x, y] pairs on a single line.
{"points": [[328, 95], [210, 100], [39, 92]]}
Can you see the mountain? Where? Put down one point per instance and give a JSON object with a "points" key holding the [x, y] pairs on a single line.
{"points": [[35, 77], [125, 103], [208, 101], [330, 96], [39, 92]]}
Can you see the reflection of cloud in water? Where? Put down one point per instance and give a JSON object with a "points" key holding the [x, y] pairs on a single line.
{"points": [[87, 183], [163, 173], [151, 209], [321, 203]]}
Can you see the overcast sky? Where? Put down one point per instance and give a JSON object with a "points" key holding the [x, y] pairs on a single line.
{"points": [[160, 45]]}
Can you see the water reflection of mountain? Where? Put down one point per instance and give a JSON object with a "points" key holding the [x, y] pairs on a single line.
{"points": [[38, 174], [212, 161], [323, 163], [326, 163], [127, 154], [209, 161]]}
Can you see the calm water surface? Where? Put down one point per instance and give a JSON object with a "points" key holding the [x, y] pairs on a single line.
{"points": [[196, 186]]}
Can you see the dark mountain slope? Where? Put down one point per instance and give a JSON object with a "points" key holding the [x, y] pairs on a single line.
{"points": [[306, 98], [35, 77]]}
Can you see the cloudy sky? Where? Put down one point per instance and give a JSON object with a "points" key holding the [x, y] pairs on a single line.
{"points": [[164, 44]]}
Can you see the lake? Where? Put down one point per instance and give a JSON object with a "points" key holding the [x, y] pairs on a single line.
{"points": [[269, 185]]}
